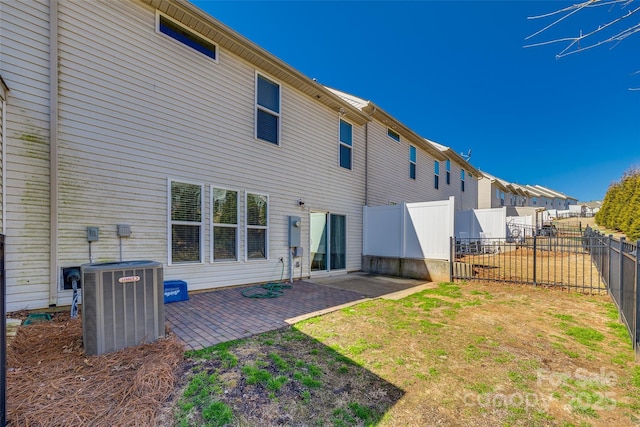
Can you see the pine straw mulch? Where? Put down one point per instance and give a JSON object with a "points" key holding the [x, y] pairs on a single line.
{"points": [[50, 381]]}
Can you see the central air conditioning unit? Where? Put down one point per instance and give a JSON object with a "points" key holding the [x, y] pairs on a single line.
{"points": [[122, 305]]}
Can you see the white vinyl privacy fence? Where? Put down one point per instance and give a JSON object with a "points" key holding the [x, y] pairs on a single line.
{"points": [[481, 223], [409, 230]]}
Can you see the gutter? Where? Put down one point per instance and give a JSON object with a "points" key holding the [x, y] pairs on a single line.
{"points": [[53, 152]]}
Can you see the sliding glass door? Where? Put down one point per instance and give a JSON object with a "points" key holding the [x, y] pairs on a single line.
{"points": [[328, 241]]}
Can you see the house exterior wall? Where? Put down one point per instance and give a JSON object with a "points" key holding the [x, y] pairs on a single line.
{"points": [[134, 115], [389, 181], [25, 68], [388, 163]]}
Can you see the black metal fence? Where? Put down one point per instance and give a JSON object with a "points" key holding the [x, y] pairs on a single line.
{"points": [[551, 257], [563, 257], [617, 263]]}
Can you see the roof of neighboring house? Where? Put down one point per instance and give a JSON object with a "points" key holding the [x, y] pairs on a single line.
{"points": [[525, 190], [226, 38], [502, 185], [554, 192], [591, 205]]}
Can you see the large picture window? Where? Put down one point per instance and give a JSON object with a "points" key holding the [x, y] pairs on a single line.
{"points": [[346, 144], [186, 222], [225, 224], [257, 220], [267, 110]]}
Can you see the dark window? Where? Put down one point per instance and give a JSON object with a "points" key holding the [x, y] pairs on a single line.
{"points": [[267, 110], [180, 33], [346, 144], [393, 134], [412, 162]]}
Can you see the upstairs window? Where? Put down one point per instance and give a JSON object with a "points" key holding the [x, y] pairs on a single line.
{"points": [[436, 178], [448, 167], [185, 36], [267, 110], [185, 222], [412, 162], [393, 134], [346, 144], [461, 179], [225, 224]]}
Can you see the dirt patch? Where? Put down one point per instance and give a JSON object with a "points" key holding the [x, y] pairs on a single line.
{"points": [[50, 382]]}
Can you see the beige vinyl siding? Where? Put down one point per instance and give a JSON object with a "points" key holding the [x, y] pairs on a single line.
{"points": [[24, 67], [133, 115], [389, 171]]}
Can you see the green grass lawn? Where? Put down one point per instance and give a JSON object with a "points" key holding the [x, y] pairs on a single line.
{"points": [[459, 354]]}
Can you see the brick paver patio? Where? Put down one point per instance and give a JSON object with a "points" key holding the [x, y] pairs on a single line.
{"points": [[209, 318]]}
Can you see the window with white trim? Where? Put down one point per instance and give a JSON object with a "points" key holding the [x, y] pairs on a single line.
{"points": [[185, 222], [413, 157], [257, 226], [224, 215], [346, 144], [393, 134], [448, 167], [186, 36], [267, 110], [461, 179], [436, 177]]}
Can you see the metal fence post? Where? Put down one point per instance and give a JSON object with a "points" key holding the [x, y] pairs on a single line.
{"points": [[637, 302], [621, 278], [609, 265], [534, 260], [452, 257]]}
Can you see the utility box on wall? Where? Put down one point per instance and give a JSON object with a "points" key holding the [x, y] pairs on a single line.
{"points": [[122, 305], [295, 224]]}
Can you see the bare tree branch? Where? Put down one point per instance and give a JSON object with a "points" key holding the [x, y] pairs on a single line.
{"points": [[590, 39]]}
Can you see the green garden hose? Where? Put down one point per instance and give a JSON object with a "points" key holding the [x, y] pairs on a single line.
{"points": [[268, 290]]}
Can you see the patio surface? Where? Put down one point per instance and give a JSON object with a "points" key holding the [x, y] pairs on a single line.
{"points": [[216, 316]]}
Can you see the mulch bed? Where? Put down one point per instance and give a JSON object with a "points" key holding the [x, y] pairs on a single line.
{"points": [[51, 382]]}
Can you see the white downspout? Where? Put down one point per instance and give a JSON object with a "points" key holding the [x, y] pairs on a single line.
{"points": [[53, 152]]}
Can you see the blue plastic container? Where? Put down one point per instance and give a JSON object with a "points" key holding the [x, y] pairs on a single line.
{"points": [[175, 290]]}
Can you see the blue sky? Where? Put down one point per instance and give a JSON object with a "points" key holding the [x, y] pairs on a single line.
{"points": [[457, 72]]}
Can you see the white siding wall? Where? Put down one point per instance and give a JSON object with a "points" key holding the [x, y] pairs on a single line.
{"points": [[389, 174], [389, 171], [134, 114], [24, 67]]}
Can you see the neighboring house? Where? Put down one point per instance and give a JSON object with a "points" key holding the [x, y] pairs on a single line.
{"points": [[494, 192], [405, 167], [152, 116]]}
